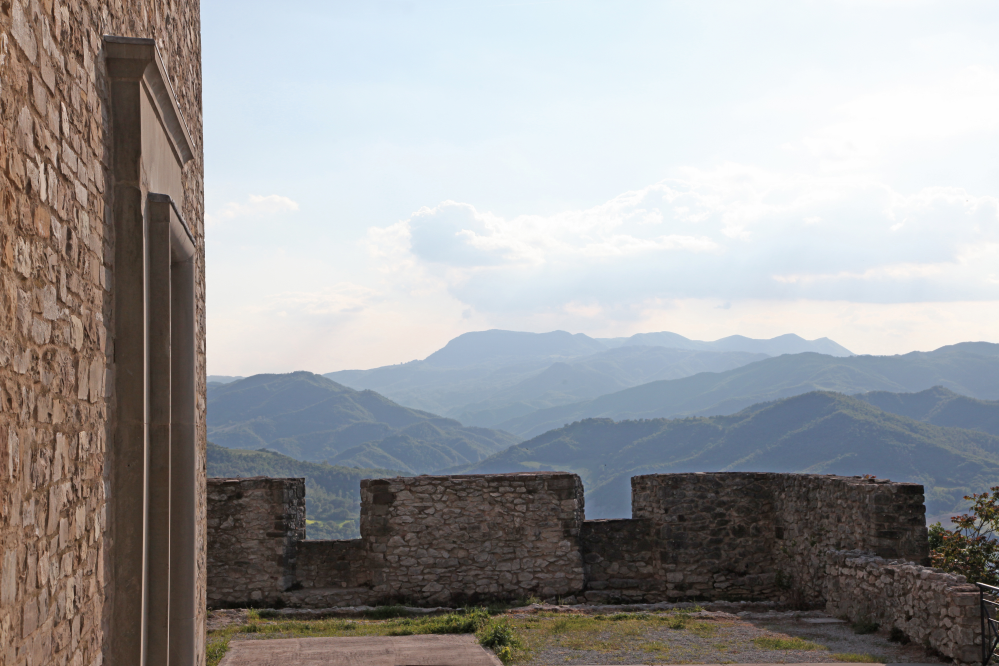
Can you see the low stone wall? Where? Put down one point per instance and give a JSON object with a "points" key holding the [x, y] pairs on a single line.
{"points": [[619, 557], [331, 564], [815, 514], [255, 526], [935, 609], [456, 539]]}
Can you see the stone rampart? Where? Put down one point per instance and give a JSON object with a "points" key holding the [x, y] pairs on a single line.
{"points": [[255, 527], [817, 514], [435, 540], [451, 539], [935, 609]]}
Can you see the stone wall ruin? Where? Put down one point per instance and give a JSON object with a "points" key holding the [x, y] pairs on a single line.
{"points": [[856, 546]]}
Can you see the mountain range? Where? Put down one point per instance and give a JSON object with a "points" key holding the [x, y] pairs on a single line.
{"points": [[489, 377], [311, 418], [818, 432], [969, 368]]}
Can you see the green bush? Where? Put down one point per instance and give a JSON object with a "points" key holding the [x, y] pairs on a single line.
{"points": [[499, 637], [971, 549]]}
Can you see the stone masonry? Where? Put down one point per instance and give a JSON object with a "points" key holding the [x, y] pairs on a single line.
{"points": [[931, 608], [256, 526], [806, 540], [57, 277], [451, 539]]}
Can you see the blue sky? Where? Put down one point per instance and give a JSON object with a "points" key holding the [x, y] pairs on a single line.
{"points": [[383, 176]]}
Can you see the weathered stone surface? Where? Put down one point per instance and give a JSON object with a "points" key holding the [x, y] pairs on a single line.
{"points": [[56, 311], [255, 527], [441, 539], [932, 608]]}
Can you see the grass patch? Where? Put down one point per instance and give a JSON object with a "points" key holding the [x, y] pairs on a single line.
{"points": [[854, 658], [514, 639], [386, 613], [786, 643]]}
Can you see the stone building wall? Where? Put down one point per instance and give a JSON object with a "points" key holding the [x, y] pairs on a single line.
{"points": [[255, 527], [932, 608], [56, 279], [450, 539]]}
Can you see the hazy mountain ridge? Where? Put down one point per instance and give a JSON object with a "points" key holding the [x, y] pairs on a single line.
{"points": [[487, 377], [818, 432], [312, 418], [332, 493], [939, 406], [970, 368]]}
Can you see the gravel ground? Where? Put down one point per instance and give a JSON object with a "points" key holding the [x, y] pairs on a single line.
{"points": [[731, 642]]}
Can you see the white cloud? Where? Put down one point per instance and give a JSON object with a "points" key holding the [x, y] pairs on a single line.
{"points": [[735, 232], [256, 206]]}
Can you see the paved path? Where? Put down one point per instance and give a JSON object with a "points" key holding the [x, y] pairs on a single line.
{"points": [[426, 650]]}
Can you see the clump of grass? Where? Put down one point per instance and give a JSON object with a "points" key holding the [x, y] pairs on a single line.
{"points": [[865, 626], [656, 647], [500, 638], [215, 649], [468, 621], [702, 629], [252, 614], [855, 658], [676, 620], [786, 643]]}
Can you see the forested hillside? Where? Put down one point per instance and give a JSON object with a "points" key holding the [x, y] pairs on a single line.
{"points": [[312, 418], [970, 369], [818, 432]]}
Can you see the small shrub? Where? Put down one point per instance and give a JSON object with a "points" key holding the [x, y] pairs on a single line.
{"points": [[971, 548], [865, 626], [497, 635], [898, 636]]}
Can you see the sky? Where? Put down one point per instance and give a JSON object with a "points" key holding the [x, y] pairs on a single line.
{"points": [[381, 177]]}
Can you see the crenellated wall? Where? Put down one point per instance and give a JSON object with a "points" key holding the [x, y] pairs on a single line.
{"points": [[449, 540]]}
